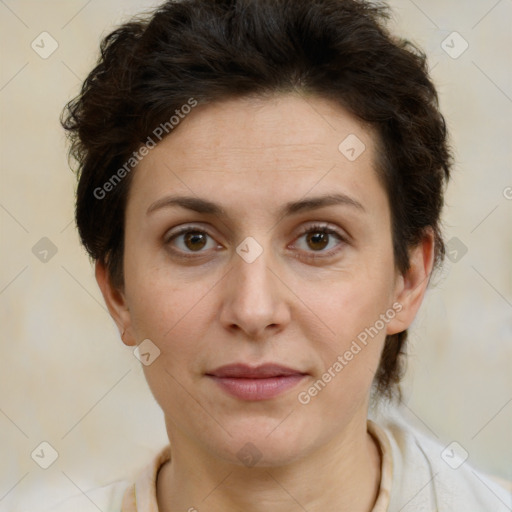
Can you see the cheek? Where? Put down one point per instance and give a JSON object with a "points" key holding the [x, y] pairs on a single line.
{"points": [[175, 319], [156, 299], [355, 309], [167, 313], [349, 303], [349, 358], [174, 312]]}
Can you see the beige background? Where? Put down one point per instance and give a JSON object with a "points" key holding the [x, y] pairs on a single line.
{"points": [[67, 379]]}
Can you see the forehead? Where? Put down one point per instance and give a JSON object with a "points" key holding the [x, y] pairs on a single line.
{"points": [[263, 151]]}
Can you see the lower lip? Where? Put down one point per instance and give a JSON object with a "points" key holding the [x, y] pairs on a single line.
{"points": [[257, 389]]}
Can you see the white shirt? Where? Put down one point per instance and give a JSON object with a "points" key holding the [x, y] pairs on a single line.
{"points": [[417, 475]]}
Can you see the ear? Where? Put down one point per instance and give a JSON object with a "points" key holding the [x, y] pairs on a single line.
{"points": [[411, 286], [116, 304]]}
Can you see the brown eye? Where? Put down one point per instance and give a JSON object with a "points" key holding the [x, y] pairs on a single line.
{"points": [[321, 241], [195, 240], [317, 240], [190, 242]]}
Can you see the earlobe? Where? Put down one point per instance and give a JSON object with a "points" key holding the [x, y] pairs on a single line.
{"points": [[412, 285], [116, 303]]}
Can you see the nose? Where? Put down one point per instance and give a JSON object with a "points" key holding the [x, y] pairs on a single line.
{"points": [[255, 298]]}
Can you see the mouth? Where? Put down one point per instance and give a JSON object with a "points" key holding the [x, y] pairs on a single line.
{"points": [[256, 383]]}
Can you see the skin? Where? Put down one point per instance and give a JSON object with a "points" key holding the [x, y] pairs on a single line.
{"points": [[252, 156]]}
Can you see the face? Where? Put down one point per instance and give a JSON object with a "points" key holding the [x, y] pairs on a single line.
{"points": [[281, 254]]}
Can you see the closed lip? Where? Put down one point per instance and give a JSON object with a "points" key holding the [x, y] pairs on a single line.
{"points": [[244, 371]]}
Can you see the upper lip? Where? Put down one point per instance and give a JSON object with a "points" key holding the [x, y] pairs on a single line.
{"points": [[244, 371]]}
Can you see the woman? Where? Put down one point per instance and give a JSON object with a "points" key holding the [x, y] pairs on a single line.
{"points": [[260, 186]]}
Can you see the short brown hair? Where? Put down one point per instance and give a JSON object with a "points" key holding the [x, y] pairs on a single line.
{"points": [[212, 50]]}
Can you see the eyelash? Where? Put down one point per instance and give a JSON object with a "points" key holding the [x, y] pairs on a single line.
{"points": [[316, 228], [323, 228]]}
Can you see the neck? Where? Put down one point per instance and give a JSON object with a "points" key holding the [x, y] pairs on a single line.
{"points": [[344, 475]]}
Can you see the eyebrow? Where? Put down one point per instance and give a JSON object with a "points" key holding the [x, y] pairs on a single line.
{"points": [[199, 205]]}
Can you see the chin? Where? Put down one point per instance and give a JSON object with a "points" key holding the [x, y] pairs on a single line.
{"points": [[262, 443]]}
